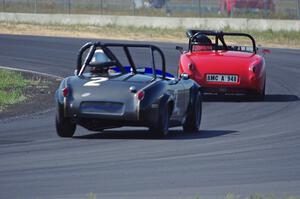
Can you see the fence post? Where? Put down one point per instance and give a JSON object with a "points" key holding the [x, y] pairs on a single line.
{"points": [[3, 5], [199, 8], [65, 6], [133, 6], [69, 6], [298, 9], [35, 6], [101, 6]]}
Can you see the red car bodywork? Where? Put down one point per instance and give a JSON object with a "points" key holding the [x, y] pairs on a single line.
{"points": [[248, 67]]}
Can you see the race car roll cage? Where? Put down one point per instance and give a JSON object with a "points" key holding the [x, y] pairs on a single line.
{"points": [[219, 36], [92, 46]]}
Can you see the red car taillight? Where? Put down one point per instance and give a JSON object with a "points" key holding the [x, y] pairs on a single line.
{"points": [[140, 95], [65, 92], [191, 66], [253, 69]]}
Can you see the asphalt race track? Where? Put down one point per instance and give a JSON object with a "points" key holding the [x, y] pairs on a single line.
{"points": [[244, 147]]}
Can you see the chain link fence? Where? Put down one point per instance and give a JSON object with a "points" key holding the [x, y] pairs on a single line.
{"points": [[274, 9]]}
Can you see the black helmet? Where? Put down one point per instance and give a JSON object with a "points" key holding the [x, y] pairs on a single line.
{"points": [[202, 40]]}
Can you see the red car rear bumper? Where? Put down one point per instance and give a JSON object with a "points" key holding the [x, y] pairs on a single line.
{"points": [[250, 84]]}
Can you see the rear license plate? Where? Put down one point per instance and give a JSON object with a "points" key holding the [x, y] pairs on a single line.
{"points": [[222, 78]]}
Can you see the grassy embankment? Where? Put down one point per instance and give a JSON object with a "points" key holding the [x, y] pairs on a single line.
{"points": [[269, 38], [12, 86]]}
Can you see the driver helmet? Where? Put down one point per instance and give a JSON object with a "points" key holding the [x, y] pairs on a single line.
{"points": [[202, 43], [98, 58]]}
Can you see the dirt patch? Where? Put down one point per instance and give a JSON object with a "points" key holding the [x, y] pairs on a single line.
{"points": [[39, 97]]}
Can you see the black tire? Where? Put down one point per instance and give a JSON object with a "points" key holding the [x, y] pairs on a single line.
{"points": [[259, 96], [263, 93], [64, 126], [161, 129], [193, 119]]}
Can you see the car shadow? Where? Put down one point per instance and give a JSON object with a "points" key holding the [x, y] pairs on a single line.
{"points": [[145, 134], [245, 98]]}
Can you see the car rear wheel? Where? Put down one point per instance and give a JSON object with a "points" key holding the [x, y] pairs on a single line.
{"points": [[64, 126], [259, 96], [161, 129], [193, 119]]}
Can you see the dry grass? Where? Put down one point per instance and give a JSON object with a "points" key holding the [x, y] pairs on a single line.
{"points": [[106, 32], [283, 39]]}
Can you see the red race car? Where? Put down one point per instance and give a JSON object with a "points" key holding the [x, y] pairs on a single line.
{"points": [[220, 67]]}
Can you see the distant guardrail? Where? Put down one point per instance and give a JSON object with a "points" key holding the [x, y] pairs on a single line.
{"points": [[270, 9], [155, 22]]}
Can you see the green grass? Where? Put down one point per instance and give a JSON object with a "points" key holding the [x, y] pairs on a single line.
{"points": [[12, 85], [92, 196]]}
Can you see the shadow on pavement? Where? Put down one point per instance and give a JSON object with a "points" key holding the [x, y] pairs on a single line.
{"points": [[145, 134], [244, 98]]}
